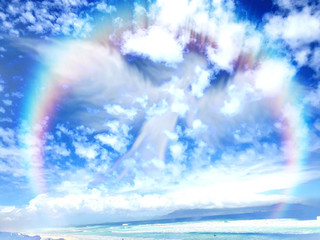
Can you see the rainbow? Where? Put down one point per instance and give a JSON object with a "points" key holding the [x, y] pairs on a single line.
{"points": [[49, 87], [40, 107], [294, 141], [46, 91]]}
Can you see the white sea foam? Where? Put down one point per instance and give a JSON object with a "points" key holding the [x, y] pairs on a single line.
{"points": [[148, 231], [284, 226]]}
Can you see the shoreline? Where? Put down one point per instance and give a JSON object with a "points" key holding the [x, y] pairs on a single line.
{"points": [[270, 226], [52, 236]]}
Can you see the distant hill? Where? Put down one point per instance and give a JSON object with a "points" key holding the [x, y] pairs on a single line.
{"points": [[297, 211]]}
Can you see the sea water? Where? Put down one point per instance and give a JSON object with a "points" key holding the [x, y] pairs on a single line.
{"points": [[273, 229]]}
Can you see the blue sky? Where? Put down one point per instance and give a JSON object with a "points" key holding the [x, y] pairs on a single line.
{"points": [[117, 110]]}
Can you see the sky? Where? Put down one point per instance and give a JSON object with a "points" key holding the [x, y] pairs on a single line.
{"points": [[124, 110]]}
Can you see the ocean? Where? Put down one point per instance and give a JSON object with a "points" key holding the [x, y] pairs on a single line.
{"points": [[271, 229]]}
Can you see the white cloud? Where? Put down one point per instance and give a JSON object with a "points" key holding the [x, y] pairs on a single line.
{"points": [[175, 91], [315, 146], [7, 102], [301, 56], [10, 154], [179, 100], [239, 94], [118, 137], [87, 151], [3, 16], [229, 43], [195, 11], [103, 7], [201, 83], [315, 60], [117, 128], [17, 94], [313, 98], [180, 108], [117, 143], [6, 120], [143, 101], [297, 28], [63, 129], [289, 4], [158, 108], [252, 44], [177, 151], [55, 17], [13, 10], [156, 43], [201, 156], [317, 124], [28, 16], [298, 24], [8, 136], [231, 107], [212, 187], [172, 135], [198, 128], [59, 149], [117, 110], [10, 161], [168, 12], [273, 76]]}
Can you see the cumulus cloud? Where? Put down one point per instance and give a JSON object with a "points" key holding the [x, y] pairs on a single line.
{"points": [[118, 110], [198, 128], [177, 151], [297, 24], [103, 7], [301, 56], [156, 43], [87, 151], [232, 107], [313, 98], [51, 18], [158, 108], [8, 136], [10, 154], [201, 83], [238, 180], [273, 76], [59, 149], [315, 60], [292, 28], [118, 143], [229, 40]]}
